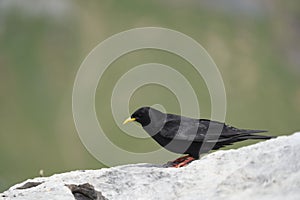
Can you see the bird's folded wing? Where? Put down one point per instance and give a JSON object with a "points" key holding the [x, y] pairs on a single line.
{"points": [[192, 131]]}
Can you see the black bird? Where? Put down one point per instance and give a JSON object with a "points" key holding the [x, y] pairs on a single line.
{"points": [[190, 136]]}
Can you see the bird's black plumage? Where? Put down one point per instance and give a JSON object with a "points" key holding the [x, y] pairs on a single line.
{"points": [[190, 136]]}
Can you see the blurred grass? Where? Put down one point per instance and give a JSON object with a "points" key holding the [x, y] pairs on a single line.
{"points": [[40, 55]]}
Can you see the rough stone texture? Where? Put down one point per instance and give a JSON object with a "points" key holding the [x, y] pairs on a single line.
{"points": [[266, 170]]}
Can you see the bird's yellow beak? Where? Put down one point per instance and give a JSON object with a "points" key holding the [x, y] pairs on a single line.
{"points": [[129, 120]]}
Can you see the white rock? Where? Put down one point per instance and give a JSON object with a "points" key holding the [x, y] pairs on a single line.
{"points": [[266, 170]]}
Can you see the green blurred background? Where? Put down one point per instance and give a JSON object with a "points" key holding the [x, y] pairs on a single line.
{"points": [[255, 44]]}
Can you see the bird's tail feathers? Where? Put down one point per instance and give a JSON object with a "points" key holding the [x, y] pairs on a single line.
{"points": [[250, 134], [256, 137], [248, 131]]}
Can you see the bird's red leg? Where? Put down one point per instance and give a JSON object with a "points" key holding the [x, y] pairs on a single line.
{"points": [[179, 160], [185, 162]]}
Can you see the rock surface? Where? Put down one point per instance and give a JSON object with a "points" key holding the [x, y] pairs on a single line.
{"points": [[266, 170]]}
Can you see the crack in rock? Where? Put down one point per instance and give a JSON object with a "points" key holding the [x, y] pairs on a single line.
{"points": [[29, 185], [85, 192]]}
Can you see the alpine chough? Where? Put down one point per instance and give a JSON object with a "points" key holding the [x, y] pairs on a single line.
{"points": [[190, 136]]}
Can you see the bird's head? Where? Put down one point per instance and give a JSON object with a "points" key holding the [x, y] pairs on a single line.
{"points": [[141, 116], [151, 119]]}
